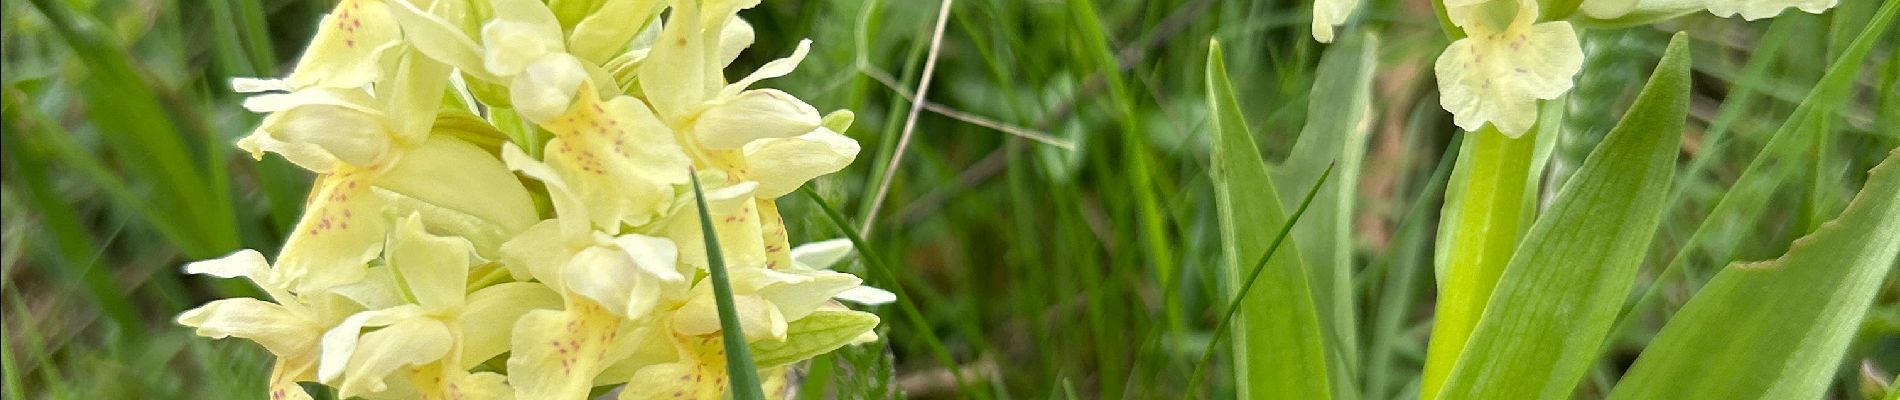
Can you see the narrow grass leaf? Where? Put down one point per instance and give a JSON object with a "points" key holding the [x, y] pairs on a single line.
{"points": [[745, 377], [1558, 297], [1278, 347], [1778, 329]]}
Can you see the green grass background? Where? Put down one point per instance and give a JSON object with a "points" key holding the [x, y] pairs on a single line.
{"points": [[1057, 177]]}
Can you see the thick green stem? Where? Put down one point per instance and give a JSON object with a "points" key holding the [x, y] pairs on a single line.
{"points": [[1483, 219]]}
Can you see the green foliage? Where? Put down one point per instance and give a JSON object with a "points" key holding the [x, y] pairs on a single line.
{"points": [[1560, 293], [1776, 329], [1086, 262], [1278, 342]]}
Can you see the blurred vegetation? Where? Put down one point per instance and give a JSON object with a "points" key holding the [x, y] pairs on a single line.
{"points": [[1057, 177]]}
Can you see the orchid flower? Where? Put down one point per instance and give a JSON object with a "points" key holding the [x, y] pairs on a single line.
{"points": [[1509, 62], [437, 331], [376, 153], [607, 283], [289, 325], [1329, 14], [764, 136]]}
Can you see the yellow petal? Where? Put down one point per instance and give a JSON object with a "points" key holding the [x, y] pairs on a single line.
{"points": [[412, 95], [735, 217], [342, 229], [316, 128], [1328, 14], [281, 331], [822, 254], [734, 38], [759, 319], [782, 165], [545, 88], [438, 36], [437, 382], [557, 354], [796, 293], [341, 341], [285, 373], [521, 32], [348, 44], [674, 75], [675, 381], [537, 253], [618, 158], [752, 115], [608, 277], [246, 263], [385, 351], [773, 69], [574, 221], [1498, 77], [488, 320], [606, 31], [433, 268]]}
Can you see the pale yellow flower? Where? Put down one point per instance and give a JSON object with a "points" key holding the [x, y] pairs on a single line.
{"points": [[289, 325], [1509, 62], [377, 154], [1330, 14], [426, 338], [609, 285]]}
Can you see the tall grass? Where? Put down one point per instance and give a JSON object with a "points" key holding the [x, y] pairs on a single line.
{"points": [[1052, 230]]}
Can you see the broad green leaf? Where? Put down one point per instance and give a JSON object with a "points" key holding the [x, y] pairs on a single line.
{"points": [[1278, 350], [1337, 123], [1561, 292], [818, 333], [1778, 329]]}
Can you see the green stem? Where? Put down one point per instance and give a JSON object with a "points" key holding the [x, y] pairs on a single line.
{"points": [[1484, 213]]}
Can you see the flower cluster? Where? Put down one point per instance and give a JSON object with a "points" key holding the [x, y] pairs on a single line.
{"points": [[1515, 53], [504, 205]]}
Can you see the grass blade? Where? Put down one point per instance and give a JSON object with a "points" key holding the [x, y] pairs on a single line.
{"points": [[745, 378], [1559, 295], [1278, 347]]}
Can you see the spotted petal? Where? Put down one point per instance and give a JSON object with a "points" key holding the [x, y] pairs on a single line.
{"points": [[618, 158], [342, 229], [1497, 77], [348, 44]]}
